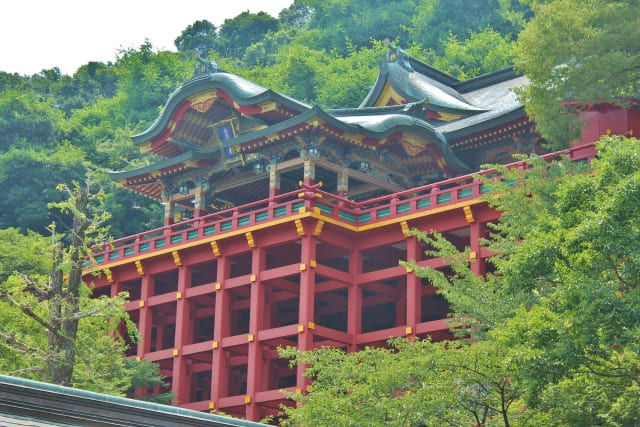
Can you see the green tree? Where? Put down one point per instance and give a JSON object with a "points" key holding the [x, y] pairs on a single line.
{"points": [[483, 52], [412, 383], [315, 76], [267, 50], [564, 299], [53, 330], [238, 33], [63, 291], [338, 25], [575, 52], [581, 258], [293, 73], [102, 131], [436, 21], [28, 254], [90, 83], [27, 121], [12, 81], [343, 82], [198, 37], [146, 79], [27, 184], [551, 337], [131, 213], [297, 15]]}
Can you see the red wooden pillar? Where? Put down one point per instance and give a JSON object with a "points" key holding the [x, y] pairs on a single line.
{"points": [[256, 307], [267, 315], [309, 172], [306, 302], [181, 385], [159, 343], [274, 181], [221, 329], [146, 317], [200, 197], [115, 289], [401, 303], [145, 323], [168, 209], [354, 299], [414, 287], [476, 232], [343, 184]]}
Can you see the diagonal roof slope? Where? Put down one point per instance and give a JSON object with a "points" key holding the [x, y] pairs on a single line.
{"points": [[431, 124]]}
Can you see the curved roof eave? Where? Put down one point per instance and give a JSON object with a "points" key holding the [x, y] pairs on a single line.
{"points": [[414, 109], [241, 90], [416, 81], [481, 122], [376, 89], [377, 127], [487, 79], [184, 157], [373, 126], [398, 122], [412, 85]]}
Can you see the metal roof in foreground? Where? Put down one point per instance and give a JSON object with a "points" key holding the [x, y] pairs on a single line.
{"points": [[30, 403]]}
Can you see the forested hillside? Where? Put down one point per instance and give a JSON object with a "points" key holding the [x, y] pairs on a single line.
{"points": [[555, 324], [54, 128]]}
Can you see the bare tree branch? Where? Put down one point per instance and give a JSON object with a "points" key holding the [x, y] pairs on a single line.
{"points": [[29, 312], [17, 344], [25, 370], [42, 293]]}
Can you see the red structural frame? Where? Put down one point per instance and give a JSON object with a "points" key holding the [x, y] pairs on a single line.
{"points": [[214, 297]]}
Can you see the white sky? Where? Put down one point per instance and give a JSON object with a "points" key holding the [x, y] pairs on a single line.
{"points": [[42, 34]]}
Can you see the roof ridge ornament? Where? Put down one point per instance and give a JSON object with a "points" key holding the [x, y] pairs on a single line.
{"points": [[205, 66], [401, 57]]}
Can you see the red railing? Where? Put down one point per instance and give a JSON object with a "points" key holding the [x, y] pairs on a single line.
{"points": [[419, 199]]}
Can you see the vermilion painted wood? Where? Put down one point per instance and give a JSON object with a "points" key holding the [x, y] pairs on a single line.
{"points": [[212, 316]]}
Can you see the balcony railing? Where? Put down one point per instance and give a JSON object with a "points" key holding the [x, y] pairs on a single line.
{"points": [[356, 214]]}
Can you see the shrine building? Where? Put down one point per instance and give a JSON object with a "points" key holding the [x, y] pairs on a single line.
{"points": [[285, 223]]}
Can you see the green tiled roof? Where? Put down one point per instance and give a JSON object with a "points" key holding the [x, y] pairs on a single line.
{"points": [[53, 404]]}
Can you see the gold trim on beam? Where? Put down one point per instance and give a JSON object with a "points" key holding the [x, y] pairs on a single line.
{"points": [[413, 145], [176, 258], [314, 123], [448, 117], [318, 229], [267, 106], [468, 214], [201, 102], [404, 226], [215, 249], [250, 241], [285, 220]]}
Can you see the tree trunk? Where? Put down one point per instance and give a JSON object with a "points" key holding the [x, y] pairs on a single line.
{"points": [[66, 302]]}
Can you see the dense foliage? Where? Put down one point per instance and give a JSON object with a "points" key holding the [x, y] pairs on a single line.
{"points": [[539, 358], [323, 52], [549, 338], [578, 51], [53, 330]]}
